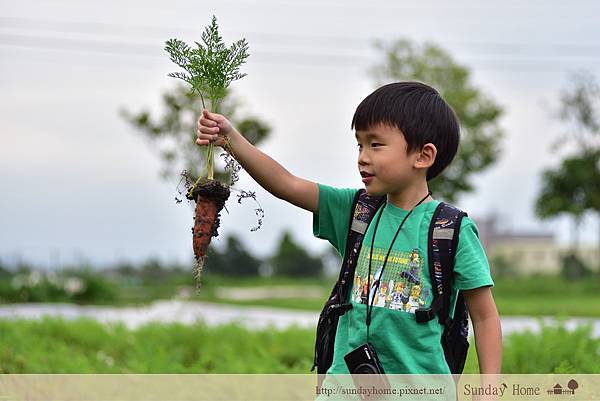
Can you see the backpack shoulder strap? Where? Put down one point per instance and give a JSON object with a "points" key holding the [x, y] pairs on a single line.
{"points": [[364, 208], [442, 244]]}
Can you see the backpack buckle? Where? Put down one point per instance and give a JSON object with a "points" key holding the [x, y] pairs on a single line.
{"points": [[424, 315]]}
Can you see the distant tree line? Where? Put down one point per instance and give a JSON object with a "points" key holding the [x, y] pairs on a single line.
{"points": [[289, 259]]}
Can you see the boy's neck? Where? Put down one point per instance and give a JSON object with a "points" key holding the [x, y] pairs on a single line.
{"points": [[408, 198]]}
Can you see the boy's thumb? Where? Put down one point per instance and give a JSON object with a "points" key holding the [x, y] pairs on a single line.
{"points": [[212, 116]]}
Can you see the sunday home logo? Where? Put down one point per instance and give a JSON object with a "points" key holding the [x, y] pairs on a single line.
{"points": [[572, 385]]}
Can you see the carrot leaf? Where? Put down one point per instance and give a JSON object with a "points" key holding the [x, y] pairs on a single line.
{"points": [[211, 66]]}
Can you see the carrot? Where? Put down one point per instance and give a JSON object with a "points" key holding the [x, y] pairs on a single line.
{"points": [[210, 197], [205, 220], [209, 69]]}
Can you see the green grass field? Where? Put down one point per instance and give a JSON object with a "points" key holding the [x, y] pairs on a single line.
{"points": [[85, 346]]}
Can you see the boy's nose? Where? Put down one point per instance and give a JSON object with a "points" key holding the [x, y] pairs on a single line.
{"points": [[362, 159]]}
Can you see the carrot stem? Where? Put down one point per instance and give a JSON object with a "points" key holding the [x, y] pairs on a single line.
{"points": [[210, 161]]}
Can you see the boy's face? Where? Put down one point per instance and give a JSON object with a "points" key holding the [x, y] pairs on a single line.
{"points": [[384, 165]]}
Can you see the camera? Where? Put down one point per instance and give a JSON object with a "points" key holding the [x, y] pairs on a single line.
{"points": [[363, 361]]}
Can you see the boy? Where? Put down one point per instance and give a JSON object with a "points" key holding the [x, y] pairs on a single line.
{"points": [[406, 134]]}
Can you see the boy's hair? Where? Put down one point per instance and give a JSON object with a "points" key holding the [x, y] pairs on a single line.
{"points": [[419, 112]]}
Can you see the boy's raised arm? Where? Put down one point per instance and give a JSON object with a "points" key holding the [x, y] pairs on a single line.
{"points": [[271, 175]]}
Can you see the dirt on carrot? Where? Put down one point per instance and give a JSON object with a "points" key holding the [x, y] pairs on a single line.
{"points": [[210, 197]]}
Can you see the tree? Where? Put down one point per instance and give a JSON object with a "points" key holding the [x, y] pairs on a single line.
{"points": [[478, 114], [174, 133], [4, 272], [152, 271], [580, 108], [572, 188], [235, 260], [293, 260]]}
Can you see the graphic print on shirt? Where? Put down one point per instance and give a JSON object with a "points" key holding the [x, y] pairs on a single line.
{"points": [[399, 287]]}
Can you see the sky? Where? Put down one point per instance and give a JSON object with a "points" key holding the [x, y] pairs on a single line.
{"points": [[79, 184]]}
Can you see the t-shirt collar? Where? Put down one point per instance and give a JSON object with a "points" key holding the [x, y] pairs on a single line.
{"points": [[422, 208]]}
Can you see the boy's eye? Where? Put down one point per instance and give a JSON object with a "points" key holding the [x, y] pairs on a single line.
{"points": [[375, 144]]}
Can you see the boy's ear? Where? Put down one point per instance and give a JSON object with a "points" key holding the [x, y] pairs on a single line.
{"points": [[426, 157]]}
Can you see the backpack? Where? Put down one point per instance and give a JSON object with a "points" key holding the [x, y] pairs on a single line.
{"points": [[442, 245]]}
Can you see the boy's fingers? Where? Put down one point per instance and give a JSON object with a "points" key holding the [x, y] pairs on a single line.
{"points": [[206, 122], [208, 130]]}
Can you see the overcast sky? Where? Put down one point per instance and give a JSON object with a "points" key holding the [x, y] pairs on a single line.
{"points": [[79, 183]]}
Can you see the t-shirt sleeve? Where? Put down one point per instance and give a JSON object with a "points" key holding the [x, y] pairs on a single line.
{"points": [[332, 221], [471, 268]]}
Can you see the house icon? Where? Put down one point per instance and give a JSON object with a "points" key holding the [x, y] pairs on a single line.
{"points": [[557, 389]]}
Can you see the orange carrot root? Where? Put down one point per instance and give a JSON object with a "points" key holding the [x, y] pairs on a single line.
{"points": [[210, 197], [204, 225]]}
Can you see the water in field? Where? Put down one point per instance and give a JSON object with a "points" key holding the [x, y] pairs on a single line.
{"points": [[188, 312]]}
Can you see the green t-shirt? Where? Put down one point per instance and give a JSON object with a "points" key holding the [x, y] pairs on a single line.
{"points": [[403, 345]]}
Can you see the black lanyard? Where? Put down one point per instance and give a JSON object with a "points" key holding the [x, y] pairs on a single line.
{"points": [[370, 309]]}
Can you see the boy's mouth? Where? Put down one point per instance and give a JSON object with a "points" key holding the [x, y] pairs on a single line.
{"points": [[366, 177]]}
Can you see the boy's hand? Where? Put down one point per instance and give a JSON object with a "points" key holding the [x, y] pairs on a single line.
{"points": [[272, 176], [214, 128]]}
